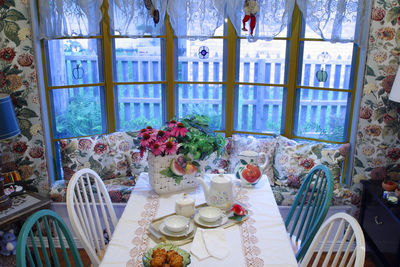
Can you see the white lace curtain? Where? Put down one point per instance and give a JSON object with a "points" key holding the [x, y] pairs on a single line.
{"points": [[136, 18], [60, 18], [196, 18], [338, 20], [270, 17]]}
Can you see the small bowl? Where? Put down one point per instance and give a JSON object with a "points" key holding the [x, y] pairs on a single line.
{"points": [[389, 187], [210, 214], [176, 223]]}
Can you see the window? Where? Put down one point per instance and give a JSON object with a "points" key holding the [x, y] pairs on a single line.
{"points": [[296, 84]]}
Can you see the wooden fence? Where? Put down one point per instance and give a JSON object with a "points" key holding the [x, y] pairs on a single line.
{"points": [[259, 107]]}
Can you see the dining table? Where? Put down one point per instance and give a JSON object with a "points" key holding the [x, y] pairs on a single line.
{"points": [[261, 240]]}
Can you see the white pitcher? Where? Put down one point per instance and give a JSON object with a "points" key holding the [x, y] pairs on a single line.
{"points": [[248, 169]]}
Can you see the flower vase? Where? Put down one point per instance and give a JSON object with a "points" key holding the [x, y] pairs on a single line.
{"points": [[173, 173]]}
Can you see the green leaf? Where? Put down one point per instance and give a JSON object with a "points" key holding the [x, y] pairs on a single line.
{"points": [[9, 3], [380, 78], [27, 113], [242, 161], [1, 25], [358, 163], [11, 31], [397, 37], [317, 151], [13, 14], [391, 15], [95, 165], [25, 126], [379, 113], [370, 71]]}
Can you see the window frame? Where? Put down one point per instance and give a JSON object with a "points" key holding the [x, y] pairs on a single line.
{"points": [[230, 83]]}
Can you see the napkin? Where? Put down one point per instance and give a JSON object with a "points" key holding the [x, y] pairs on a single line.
{"points": [[210, 242]]}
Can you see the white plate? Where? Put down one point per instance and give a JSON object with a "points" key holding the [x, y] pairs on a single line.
{"points": [[219, 222], [163, 229]]}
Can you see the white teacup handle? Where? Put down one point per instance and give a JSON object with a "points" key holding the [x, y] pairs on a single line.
{"points": [[262, 167]]}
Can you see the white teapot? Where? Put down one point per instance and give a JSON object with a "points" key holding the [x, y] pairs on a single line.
{"points": [[220, 192]]}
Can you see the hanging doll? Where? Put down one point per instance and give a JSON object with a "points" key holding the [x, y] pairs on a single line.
{"points": [[153, 11], [250, 10]]}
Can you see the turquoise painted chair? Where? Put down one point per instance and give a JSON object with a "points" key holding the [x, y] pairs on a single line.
{"points": [[309, 209], [40, 226]]}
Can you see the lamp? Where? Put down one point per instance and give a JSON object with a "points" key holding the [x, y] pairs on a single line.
{"points": [[8, 128], [395, 92]]}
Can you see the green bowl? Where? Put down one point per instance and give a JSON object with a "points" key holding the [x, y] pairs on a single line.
{"points": [[149, 254]]}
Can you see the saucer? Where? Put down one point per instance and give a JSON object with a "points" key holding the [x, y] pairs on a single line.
{"points": [[163, 229], [219, 222]]}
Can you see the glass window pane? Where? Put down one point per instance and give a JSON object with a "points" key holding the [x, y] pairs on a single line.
{"points": [[259, 109], [138, 60], [327, 65], [74, 61], [262, 61], [200, 60], [78, 111], [321, 114], [201, 99], [139, 105]]}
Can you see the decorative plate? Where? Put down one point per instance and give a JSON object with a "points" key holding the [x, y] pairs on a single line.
{"points": [[148, 255]]}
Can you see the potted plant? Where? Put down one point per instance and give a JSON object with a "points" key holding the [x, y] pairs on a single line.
{"points": [[388, 185], [178, 152]]}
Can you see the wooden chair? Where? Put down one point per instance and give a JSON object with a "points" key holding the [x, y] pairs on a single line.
{"points": [[87, 198], [309, 208], [348, 245], [52, 226]]}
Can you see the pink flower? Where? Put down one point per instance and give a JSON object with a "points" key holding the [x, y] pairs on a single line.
{"points": [[142, 132], [238, 210], [162, 136], [147, 139], [157, 148], [171, 124], [142, 150], [179, 130], [170, 148]]}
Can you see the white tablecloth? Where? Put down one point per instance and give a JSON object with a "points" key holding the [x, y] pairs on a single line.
{"points": [[260, 241]]}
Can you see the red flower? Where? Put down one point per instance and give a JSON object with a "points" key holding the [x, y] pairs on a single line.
{"points": [[393, 153], [19, 147], [378, 174], [179, 130], [100, 148], [387, 83], [157, 148], [162, 136], [365, 113], [147, 139], [387, 118], [170, 148], [84, 144], [171, 124], [36, 152], [238, 210], [142, 132], [7, 54], [378, 14], [25, 60], [307, 163]]}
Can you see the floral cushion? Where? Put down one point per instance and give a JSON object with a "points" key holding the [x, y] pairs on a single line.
{"points": [[108, 155], [119, 189], [293, 160], [242, 143]]}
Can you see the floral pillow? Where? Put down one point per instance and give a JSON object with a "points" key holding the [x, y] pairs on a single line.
{"points": [[265, 145], [103, 154], [293, 160]]}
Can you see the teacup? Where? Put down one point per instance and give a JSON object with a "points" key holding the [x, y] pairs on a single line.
{"points": [[210, 214], [176, 223], [185, 206]]}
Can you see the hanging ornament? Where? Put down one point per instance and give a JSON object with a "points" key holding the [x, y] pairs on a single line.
{"points": [[322, 75], [203, 52], [250, 10], [77, 72], [152, 10]]}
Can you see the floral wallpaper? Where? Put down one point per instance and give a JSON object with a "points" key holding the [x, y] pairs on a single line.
{"points": [[26, 153], [378, 145]]}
